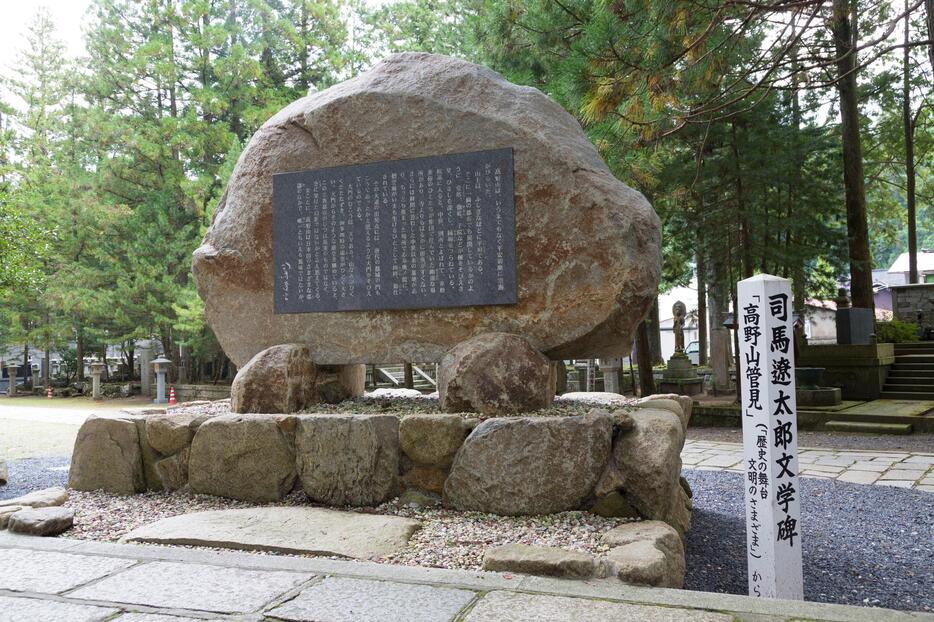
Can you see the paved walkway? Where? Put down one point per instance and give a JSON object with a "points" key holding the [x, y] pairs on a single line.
{"points": [[884, 468], [31, 427], [75, 581]]}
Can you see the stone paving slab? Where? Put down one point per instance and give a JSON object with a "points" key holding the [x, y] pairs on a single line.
{"points": [[36, 610], [301, 530], [193, 586], [52, 572], [515, 607], [904, 470], [152, 617], [197, 574], [360, 600]]}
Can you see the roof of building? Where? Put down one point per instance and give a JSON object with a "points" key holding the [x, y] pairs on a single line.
{"points": [[925, 262]]}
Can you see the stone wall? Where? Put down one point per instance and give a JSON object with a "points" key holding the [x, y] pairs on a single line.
{"points": [[619, 462], [907, 300], [192, 392]]}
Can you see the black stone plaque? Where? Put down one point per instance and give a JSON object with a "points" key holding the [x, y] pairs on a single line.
{"points": [[406, 234]]}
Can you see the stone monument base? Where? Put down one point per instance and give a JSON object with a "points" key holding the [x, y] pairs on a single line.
{"points": [[625, 464], [680, 376]]}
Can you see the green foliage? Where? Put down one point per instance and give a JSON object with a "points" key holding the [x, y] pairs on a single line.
{"points": [[23, 248], [896, 331]]}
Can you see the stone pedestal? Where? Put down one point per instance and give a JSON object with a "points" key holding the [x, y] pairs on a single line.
{"points": [[11, 387], [36, 380], [855, 326], [96, 370], [680, 376]]}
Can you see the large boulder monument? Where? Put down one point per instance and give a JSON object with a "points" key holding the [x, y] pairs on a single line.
{"points": [[417, 207]]}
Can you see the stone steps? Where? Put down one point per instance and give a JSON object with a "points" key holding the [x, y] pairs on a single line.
{"points": [[925, 374], [920, 347], [868, 427], [902, 394]]}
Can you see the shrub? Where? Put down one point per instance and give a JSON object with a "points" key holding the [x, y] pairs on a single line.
{"points": [[896, 331]]}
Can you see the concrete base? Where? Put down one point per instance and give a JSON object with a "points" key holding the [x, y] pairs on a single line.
{"points": [[859, 370], [819, 396]]}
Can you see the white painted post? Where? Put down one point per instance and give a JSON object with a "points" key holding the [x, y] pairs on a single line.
{"points": [[770, 438]]}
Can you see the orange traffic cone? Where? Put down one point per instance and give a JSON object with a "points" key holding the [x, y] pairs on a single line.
{"points": [[172, 395], [48, 392]]}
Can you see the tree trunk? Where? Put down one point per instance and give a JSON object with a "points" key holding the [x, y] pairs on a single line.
{"points": [[744, 236], [79, 356], [701, 310], [655, 334], [843, 28], [408, 380], [929, 21], [644, 360], [909, 127]]}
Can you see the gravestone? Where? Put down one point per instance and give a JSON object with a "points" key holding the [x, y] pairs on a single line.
{"points": [[419, 205]]}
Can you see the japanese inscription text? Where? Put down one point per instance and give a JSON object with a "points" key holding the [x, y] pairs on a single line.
{"points": [[406, 234], [773, 511]]}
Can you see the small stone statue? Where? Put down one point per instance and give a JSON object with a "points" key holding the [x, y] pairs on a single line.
{"points": [[842, 300], [801, 338], [679, 311]]}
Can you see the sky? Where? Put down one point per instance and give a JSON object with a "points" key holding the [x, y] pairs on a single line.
{"points": [[67, 14]]}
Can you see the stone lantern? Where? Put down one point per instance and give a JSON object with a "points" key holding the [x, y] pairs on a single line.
{"points": [[96, 370], [11, 372], [161, 367]]}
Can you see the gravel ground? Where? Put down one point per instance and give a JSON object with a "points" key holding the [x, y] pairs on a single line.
{"points": [[447, 539], [430, 405], [31, 474], [863, 545], [918, 442]]}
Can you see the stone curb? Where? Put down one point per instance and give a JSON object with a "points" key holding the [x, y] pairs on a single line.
{"points": [[744, 608]]}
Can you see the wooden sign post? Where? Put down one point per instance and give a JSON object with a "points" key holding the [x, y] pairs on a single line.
{"points": [[770, 438]]}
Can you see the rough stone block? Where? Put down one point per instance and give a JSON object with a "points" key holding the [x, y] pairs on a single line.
{"points": [[647, 553], [432, 440], [529, 465], [248, 457], [348, 459], [495, 374], [649, 461], [107, 456], [49, 521], [539, 560], [280, 379], [46, 497]]}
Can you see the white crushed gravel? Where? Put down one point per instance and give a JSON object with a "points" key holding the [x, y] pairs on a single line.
{"points": [[447, 539]]}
